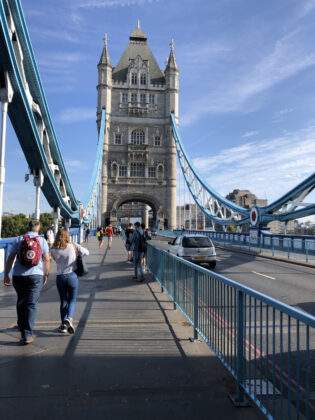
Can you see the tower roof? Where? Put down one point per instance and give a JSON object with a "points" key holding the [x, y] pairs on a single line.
{"points": [[137, 34], [138, 46], [105, 59]]}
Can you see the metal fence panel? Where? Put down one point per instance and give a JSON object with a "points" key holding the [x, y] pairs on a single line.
{"points": [[267, 346]]}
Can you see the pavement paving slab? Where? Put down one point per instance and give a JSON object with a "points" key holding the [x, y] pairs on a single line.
{"points": [[130, 358]]}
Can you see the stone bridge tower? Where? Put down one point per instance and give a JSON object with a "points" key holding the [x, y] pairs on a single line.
{"points": [[139, 161]]}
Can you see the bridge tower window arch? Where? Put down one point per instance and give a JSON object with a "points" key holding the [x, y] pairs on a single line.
{"points": [[134, 78], [137, 137]]}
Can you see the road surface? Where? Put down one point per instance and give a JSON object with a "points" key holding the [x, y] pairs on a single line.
{"points": [[289, 283]]}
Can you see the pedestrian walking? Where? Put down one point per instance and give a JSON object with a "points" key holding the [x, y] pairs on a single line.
{"points": [[138, 248], [30, 272], [65, 254], [50, 236], [128, 237], [109, 233], [100, 236], [87, 234], [147, 237]]}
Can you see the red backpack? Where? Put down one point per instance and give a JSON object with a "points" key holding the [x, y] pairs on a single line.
{"points": [[30, 252]]}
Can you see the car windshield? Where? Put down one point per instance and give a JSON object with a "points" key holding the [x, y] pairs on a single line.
{"points": [[196, 242]]}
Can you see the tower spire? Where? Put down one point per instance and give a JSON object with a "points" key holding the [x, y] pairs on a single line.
{"points": [[105, 59], [171, 62]]}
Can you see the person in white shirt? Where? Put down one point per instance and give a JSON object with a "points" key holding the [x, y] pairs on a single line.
{"points": [[65, 254], [50, 236]]}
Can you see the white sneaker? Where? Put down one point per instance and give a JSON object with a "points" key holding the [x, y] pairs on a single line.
{"points": [[69, 325], [63, 329]]}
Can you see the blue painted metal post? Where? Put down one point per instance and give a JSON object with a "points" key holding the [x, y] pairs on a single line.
{"points": [[196, 305], [163, 273], [174, 283], [239, 399]]}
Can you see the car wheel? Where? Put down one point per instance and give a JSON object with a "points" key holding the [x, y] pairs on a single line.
{"points": [[212, 265]]}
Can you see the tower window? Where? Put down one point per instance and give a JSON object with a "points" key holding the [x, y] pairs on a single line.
{"points": [[134, 98], [134, 78], [143, 98], [143, 79], [137, 169], [137, 137], [117, 138], [151, 99], [124, 98], [157, 141], [152, 172], [122, 170]]}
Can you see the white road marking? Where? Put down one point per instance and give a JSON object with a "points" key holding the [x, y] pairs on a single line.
{"points": [[264, 275]]}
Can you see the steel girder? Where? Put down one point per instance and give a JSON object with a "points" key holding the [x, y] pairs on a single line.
{"points": [[91, 202], [29, 112], [224, 212]]}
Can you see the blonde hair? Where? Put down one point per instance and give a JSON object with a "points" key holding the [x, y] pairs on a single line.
{"points": [[62, 239]]}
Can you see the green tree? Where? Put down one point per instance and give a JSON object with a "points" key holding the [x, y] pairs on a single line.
{"points": [[46, 220], [18, 224], [14, 225]]}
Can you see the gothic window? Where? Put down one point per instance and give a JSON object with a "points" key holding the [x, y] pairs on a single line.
{"points": [[134, 78], [143, 79], [117, 138], [137, 169], [152, 172], [122, 170], [157, 141], [124, 98], [143, 98], [134, 98], [151, 99], [160, 172], [137, 137], [114, 170]]}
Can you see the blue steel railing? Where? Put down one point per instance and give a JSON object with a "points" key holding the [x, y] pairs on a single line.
{"points": [[268, 346]]}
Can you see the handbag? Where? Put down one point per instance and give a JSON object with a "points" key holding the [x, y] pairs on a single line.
{"points": [[81, 269]]}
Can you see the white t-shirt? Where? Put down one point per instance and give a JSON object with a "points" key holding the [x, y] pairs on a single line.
{"points": [[66, 258], [50, 236]]}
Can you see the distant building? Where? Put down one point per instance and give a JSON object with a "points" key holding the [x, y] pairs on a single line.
{"points": [[282, 228], [186, 217], [246, 199]]}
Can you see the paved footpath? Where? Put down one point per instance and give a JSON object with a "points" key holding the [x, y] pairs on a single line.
{"points": [[130, 357]]}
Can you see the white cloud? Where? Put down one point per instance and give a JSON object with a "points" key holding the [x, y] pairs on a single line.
{"points": [[73, 165], [306, 7], [233, 92], [270, 167], [280, 115], [90, 4], [251, 133], [74, 115]]}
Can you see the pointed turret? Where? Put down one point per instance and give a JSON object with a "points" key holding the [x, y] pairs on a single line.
{"points": [[171, 62], [104, 86], [105, 59], [172, 83]]}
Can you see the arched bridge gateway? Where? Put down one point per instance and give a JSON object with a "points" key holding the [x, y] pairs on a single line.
{"points": [[266, 345]]}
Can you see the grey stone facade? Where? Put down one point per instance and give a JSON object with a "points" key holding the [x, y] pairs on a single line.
{"points": [[139, 163]]}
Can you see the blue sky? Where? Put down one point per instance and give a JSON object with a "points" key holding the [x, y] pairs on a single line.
{"points": [[247, 85]]}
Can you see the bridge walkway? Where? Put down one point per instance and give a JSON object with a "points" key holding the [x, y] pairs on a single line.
{"points": [[130, 357]]}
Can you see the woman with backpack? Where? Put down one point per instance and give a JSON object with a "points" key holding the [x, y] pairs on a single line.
{"points": [[65, 255]]}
